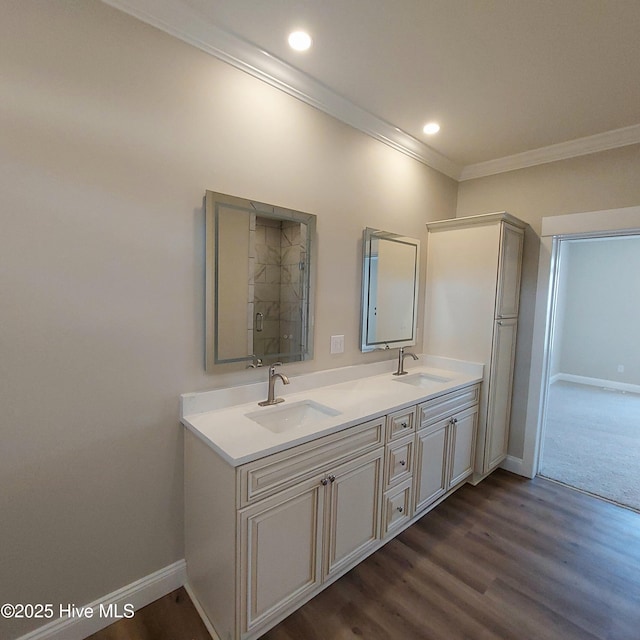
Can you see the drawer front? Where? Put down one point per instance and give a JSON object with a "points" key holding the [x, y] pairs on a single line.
{"points": [[396, 509], [445, 406], [401, 423], [266, 476], [399, 461]]}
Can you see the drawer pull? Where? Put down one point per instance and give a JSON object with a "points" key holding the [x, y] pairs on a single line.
{"points": [[404, 425], [403, 462], [400, 509]]}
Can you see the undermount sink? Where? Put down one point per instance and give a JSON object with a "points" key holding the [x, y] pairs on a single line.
{"points": [[422, 379], [291, 416]]}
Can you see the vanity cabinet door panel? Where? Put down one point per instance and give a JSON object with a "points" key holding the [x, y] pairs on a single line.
{"points": [[431, 464], [463, 445], [280, 557], [352, 514], [509, 269], [500, 382]]}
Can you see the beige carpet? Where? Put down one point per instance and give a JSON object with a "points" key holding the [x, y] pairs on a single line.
{"points": [[592, 441]]}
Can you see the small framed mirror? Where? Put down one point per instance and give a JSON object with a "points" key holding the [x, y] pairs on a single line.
{"points": [[259, 302], [390, 273]]}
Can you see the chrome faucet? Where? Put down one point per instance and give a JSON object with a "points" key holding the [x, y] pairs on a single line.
{"points": [[401, 356], [271, 399]]}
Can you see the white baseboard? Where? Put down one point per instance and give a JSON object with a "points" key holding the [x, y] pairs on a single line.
{"points": [[597, 382], [138, 594], [515, 465]]}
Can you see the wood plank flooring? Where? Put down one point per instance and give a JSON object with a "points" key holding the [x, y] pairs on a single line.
{"points": [[172, 617], [510, 559]]}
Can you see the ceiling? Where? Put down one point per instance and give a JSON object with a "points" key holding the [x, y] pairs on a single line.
{"points": [[512, 82]]}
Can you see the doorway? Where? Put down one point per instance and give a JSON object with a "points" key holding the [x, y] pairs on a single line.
{"points": [[590, 436]]}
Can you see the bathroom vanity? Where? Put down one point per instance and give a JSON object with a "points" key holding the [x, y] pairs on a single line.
{"points": [[280, 501]]}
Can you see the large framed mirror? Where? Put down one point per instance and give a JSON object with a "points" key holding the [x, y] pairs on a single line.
{"points": [[259, 278], [390, 274]]}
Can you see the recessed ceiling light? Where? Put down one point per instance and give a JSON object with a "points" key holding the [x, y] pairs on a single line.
{"points": [[431, 128], [299, 40]]}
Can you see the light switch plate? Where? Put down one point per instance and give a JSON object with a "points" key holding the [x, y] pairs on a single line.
{"points": [[337, 344]]}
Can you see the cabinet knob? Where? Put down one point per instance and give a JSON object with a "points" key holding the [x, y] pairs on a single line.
{"points": [[404, 425], [324, 482], [332, 478], [403, 462], [400, 509]]}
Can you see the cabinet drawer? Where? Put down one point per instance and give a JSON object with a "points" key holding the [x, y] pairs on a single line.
{"points": [[399, 465], [401, 423], [446, 405], [396, 509], [279, 471]]}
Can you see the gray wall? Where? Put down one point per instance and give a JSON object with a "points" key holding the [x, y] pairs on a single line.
{"points": [[111, 133], [599, 311]]}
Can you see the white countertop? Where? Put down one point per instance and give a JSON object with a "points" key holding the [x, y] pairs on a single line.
{"points": [[358, 393]]}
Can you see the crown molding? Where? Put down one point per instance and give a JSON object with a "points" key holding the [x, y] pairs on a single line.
{"points": [[477, 220], [183, 22], [562, 151]]}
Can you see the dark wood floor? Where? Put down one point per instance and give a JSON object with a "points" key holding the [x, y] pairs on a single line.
{"points": [[508, 559], [172, 617]]}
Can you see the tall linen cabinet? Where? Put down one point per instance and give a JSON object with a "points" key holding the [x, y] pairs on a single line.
{"points": [[471, 313]]}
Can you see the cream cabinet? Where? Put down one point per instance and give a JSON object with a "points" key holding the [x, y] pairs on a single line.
{"points": [[430, 481], [445, 445], [280, 553], [293, 541], [471, 310], [264, 537], [397, 508], [352, 518], [499, 402]]}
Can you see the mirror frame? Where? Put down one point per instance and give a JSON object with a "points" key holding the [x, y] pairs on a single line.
{"points": [[213, 201], [369, 235]]}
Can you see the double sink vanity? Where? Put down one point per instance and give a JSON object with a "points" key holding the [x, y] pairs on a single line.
{"points": [[283, 495], [281, 500]]}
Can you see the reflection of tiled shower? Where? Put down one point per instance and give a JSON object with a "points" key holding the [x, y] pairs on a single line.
{"points": [[276, 316]]}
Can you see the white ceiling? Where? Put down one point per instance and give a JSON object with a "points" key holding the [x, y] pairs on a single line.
{"points": [[511, 82]]}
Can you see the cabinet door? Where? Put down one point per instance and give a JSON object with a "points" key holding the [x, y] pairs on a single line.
{"points": [[509, 269], [280, 561], [431, 464], [499, 404], [463, 444], [352, 518]]}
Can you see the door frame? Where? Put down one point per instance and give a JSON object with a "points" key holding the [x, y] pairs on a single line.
{"points": [[555, 229]]}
